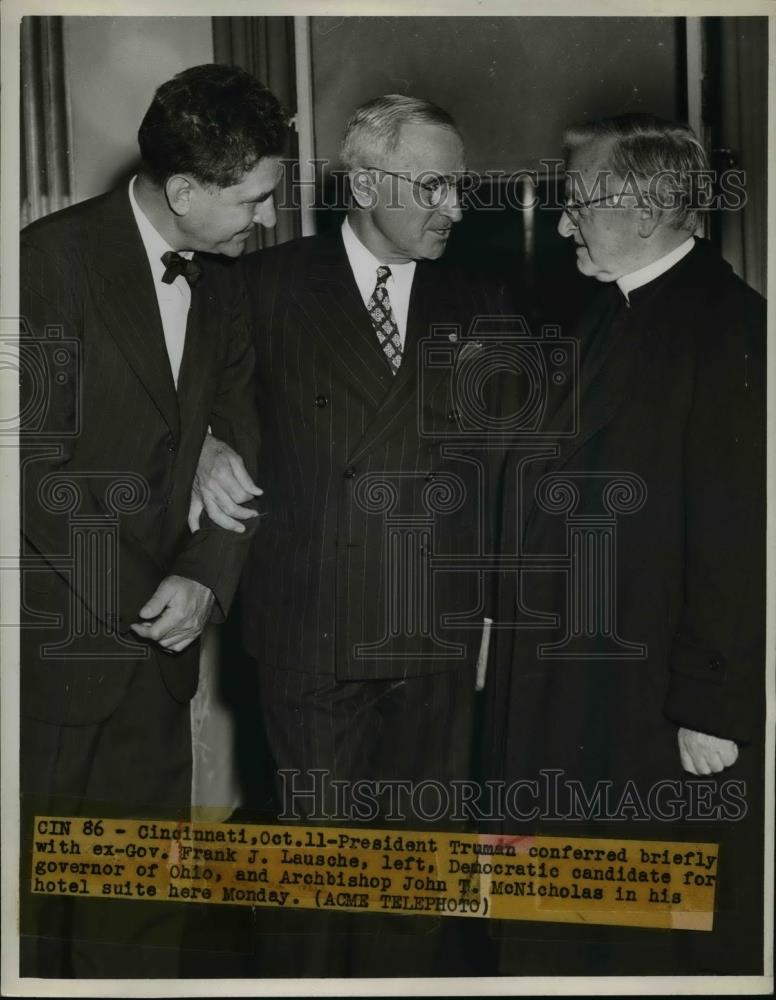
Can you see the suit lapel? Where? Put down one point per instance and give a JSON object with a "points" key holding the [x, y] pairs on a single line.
{"points": [[431, 302], [329, 298], [130, 307], [400, 401]]}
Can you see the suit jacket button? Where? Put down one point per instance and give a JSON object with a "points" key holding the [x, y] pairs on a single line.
{"points": [[321, 401], [714, 665], [171, 445], [350, 473]]}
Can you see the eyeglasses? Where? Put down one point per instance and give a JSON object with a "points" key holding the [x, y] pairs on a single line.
{"points": [[578, 209], [434, 191]]}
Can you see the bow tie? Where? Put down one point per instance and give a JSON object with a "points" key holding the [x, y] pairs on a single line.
{"points": [[175, 265]]}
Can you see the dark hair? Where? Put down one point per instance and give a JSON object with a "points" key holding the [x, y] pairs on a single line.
{"points": [[214, 122], [666, 155]]}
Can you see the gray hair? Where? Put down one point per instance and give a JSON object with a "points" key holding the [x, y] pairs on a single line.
{"points": [[373, 129], [666, 155]]}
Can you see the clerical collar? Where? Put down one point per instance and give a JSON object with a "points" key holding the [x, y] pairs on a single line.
{"points": [[630, 282]]}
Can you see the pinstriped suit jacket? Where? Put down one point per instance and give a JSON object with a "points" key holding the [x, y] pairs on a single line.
{"points": [[366, 490], [111, 412]]}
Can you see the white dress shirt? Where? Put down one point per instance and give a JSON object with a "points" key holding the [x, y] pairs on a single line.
{"points": [[628, 282], [364, 265], [174, 299]]}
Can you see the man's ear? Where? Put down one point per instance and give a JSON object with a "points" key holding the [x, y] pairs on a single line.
{"points": [[649, 219], [178, 190], [363, 187]]}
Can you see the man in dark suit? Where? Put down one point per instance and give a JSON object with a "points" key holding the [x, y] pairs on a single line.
{"points": [[148, 346], [366, 644], [642, 655]]}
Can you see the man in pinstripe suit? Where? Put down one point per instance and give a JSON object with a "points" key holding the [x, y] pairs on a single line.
{"points": [[361, 676], [150, 347]]}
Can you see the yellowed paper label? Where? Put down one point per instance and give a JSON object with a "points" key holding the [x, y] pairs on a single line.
{"points": [[568, 879]]}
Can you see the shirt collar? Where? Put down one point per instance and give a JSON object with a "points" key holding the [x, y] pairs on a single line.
{"points": [[629, 282], [364, 264], [155, 244]]}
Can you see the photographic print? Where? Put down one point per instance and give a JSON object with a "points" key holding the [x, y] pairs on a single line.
{"points": [[385, 411]]}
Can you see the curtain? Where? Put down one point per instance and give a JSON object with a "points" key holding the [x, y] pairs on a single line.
{"points": [[46, 173], [744, 130], [265, 47]]}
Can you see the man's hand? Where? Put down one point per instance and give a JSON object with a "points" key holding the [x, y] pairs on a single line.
{"points": [[704, 754], [221, 484], [181, 608]]}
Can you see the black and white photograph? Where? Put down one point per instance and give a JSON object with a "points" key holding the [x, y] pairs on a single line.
{"points": [[387, 592]]}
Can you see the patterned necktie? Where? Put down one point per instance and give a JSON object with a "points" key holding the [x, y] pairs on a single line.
{"points": [[175, 265], [380, 311]]}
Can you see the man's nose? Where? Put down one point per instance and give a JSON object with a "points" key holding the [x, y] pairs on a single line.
{"points": [[566, 226], [451, 205], [265, 214]]}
